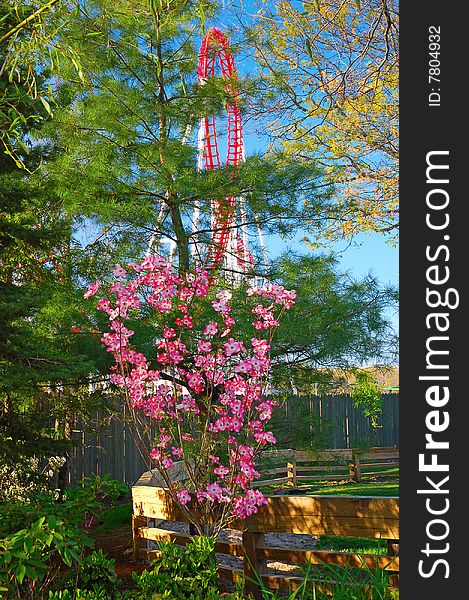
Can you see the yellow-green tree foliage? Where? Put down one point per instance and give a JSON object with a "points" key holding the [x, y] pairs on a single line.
{"points": [[333, 71]]}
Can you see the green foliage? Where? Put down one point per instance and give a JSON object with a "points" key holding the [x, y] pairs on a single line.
{"points": [[336, 322], [35, 535], [97, 573], [77, 594], [355, 545], [78, 507], [367, 394], [294, 425], [25, 556], [116, 517], [326, 581], [99, 487], [181, 574], [330, 77], [128, 138], [29, 51], [44, 363], [27, 478]]}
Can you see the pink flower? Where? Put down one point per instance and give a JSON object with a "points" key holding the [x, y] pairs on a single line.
{"points": [[103, 304], [231, 377], [221, 306], [214, 491], [118, 271], [211, 329], [167, 462], [155, 454], [184, 497], [232, 346], [203, 346], [91, 291], [265, 437], [195, 381], [221, 471], [224, 296]]}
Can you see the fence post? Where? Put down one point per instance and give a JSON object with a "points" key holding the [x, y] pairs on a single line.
{"points": [[291, 469], [139, 543], [253, 566], [355, 467], [393, 550]]}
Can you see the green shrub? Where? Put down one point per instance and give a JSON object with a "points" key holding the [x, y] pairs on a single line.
{"points": [[78, 595], [188, 573], [38, 534], [26, 556], [96, 571], [334, 582]]}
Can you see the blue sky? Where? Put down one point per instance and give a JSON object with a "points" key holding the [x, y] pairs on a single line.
{"points": [[369, 254]]}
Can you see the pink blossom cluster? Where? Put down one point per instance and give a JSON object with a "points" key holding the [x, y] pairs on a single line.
{"points": [[202, 385]]}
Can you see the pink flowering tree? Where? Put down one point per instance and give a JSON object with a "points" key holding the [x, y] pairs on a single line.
{"points": [[201, 385]]}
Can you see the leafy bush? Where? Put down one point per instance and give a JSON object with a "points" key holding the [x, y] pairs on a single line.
{"points": [[37, 535], [327, 581], [188, 573], [78, 595], [26, 556], [366, 394], [97, 572], [27, 478], [79, 507]]}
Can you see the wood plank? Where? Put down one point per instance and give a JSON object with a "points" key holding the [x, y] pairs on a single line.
{"points": [[321, 515], [292, 582], [357, 516], [379, 464], [315, 469], [272, 471], [139, 544], [323, 455], [389, 563], [323, 477], [380, 453], [155, 503], [163, 535], [230, 573], [181, 539], [270, 481]]}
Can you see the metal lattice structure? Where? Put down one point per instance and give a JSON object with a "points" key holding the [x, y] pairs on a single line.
{"points": [[229, 244]]}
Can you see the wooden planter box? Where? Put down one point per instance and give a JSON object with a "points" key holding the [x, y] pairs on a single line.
{"points": [[372, 517]]}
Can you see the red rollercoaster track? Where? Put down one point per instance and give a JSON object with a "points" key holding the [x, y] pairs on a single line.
{"points": [[215, 47]]}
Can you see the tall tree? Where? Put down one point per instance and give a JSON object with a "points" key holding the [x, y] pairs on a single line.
{"points": [[44, 365], [338, 323], [331, 96], [28, 49], [128, 137]]}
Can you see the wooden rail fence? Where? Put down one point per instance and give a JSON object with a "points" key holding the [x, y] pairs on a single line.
{"points": [[106, 445], [370, 517], [293, 466]]}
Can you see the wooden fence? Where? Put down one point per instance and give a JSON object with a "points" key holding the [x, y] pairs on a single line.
{"points": [[107, 446], [372, 517], [293, 466]]}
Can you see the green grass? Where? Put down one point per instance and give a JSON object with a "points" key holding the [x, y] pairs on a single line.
{"points": [[343, 470], [116, 517], [352, 544], [366, 488]]}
